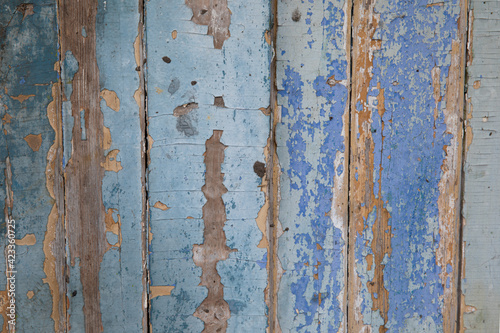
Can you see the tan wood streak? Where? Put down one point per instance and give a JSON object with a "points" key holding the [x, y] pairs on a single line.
{"points": [[261, 218], [448, 252], [85, 210], [21, 98], [365, 23], [54, 264]]}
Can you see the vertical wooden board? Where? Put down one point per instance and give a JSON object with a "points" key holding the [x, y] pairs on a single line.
{"points": [[481, 301], [208, 76], [102, 98], [29, 151], [313, 51], [406, 145]]}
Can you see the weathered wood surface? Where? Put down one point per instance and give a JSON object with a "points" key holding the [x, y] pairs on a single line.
{"points": [[481, 284], [299, 167], [29, 149], [93, 207], [101, 64], [204, 82], [313, 53], [406, 146]]}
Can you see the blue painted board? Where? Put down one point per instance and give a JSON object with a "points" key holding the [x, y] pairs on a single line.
{"points": [[312, 140], [197, 85]]}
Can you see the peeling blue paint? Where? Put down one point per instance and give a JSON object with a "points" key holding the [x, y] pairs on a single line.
{"points": [[415, 39], [309, 138]]}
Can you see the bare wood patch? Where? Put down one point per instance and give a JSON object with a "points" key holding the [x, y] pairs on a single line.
{"points": [[29, 239], [34, 141], [161, 205], [184, 109], [216, 15], [155, 291], [214, 310], [111, 99], [84, 174]]}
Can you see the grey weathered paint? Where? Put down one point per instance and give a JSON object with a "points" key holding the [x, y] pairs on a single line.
{"points": [[481, 262]]}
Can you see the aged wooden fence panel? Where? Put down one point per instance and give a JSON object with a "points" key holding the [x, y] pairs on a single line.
{"points": [[406, 111], [250, 166], [481, 230]]}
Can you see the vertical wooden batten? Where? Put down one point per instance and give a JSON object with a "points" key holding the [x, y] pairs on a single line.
{"points": [[208, 72], [481, 260], [312, 138], [406, 111], [103, 119]]}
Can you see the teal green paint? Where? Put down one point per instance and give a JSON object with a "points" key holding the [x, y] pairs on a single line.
{"points": [[28, 52]]}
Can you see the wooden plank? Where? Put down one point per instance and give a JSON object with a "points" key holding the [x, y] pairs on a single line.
{"points": [[313, 53], [30, 150], [101, 65], [408, 72], [480, 285], [207, 83]]}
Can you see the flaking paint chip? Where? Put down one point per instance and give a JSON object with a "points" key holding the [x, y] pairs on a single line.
{"points": [[161, 205], [6, 119], [30, 294], [156, 291], [111, 99], [22, 98], [34, 141], [26, 9], [111, 164], [29, 239]]}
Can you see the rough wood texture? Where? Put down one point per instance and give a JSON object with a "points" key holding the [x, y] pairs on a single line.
{"points": [[313, 51], [406, 109], [194, 89], [103, 168], [85, 210], [481, 285], [291, 181]]}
